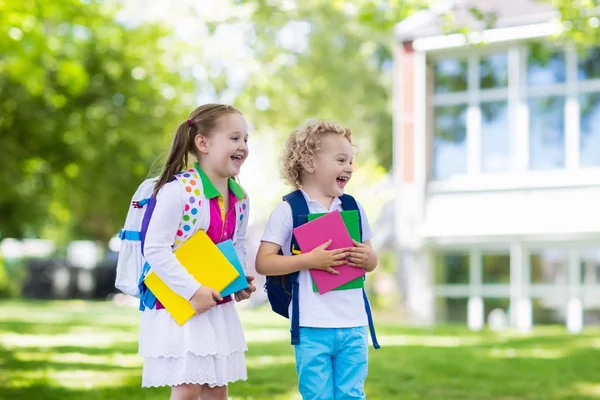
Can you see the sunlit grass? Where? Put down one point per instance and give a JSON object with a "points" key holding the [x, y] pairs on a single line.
{"points": [[527, 353], [96, 339], [81, 378], [592, 390], [74, 350], [122, 360], [270, 360]]}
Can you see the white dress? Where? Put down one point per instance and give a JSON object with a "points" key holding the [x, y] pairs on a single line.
{"points": [[207, 349]]}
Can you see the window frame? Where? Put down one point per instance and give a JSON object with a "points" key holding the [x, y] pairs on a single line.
{"points": [[519, 174], [520, 284]]}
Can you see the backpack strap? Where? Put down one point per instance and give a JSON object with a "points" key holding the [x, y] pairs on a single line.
{"points": [[349, 203], [299, 207], [146, 220], [147, 298], [300, 213], [130, 235]]}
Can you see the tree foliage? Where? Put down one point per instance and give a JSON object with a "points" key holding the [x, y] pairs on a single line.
{"points": [[327, 59], [87, 102], [84, 101]]}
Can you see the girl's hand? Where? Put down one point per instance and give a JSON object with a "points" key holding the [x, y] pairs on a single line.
{"points": [[204, 299], [246, 293], [323, 259], [362, 256]]}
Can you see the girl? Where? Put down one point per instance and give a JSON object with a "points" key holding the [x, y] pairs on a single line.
{"points": [[199, 358]]}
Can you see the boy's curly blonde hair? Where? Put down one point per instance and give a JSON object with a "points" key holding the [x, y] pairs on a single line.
{"points": [[304, 144]]}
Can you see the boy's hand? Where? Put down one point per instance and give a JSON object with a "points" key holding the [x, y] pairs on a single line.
{"points": [[362, 256], [246, 293], [204, 299], [323, 259]]}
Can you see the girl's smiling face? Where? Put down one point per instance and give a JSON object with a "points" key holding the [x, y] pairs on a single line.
{"points": [[226, 148]]}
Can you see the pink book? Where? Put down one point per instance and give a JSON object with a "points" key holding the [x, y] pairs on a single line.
{"points": [[315, 233]]}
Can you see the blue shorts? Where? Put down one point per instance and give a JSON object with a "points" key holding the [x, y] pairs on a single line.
{"points": [[332, 363]]}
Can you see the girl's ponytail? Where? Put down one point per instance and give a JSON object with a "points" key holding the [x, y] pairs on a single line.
{"points": [[177, 160], [202, 121]]}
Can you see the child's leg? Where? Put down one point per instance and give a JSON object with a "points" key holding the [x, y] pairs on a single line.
{"points": [[313, 363], [350, 362], [185, 392], [214, 393]]}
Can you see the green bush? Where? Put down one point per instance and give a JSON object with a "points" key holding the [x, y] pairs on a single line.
{"points": [[4, 281], [10, 282]]}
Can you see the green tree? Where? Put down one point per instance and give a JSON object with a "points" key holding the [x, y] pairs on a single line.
{"points": [[329, 59], [84, 102]]}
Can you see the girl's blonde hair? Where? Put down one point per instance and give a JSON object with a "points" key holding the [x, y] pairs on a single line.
{"points": [[303, 146], [201, 121]]}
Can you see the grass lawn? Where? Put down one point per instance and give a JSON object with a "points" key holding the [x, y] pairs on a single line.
{"points": [[87, 350]]}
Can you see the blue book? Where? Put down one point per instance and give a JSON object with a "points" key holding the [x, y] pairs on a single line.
{"points": [[240, 283]]}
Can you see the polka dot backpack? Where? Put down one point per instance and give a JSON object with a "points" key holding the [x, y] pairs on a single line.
{"points": [[131, 265]]}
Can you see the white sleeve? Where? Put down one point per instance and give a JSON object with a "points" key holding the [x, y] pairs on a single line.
{"points": [[160, 236], [241, 236], [366, 228], [279, 226]]}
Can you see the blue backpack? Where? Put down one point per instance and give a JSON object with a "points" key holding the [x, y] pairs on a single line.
{"points": [[283, 289]]}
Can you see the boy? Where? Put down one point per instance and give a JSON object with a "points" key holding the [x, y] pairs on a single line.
{"points": [[332, 354]]}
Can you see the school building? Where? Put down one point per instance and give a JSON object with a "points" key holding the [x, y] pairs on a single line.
{"points": [[497, 168]]}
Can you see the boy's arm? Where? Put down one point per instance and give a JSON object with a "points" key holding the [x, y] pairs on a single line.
{"points": [[363, 255], [374, 260], [278, 232], [270, 262]]}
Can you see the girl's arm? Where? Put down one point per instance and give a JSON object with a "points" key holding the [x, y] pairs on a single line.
{"points": [[160, 236]]}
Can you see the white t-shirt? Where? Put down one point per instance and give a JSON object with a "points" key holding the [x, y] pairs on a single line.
{"points": [[334, 309]]}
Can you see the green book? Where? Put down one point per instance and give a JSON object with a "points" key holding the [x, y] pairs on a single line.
{"points": [[352, 224]]}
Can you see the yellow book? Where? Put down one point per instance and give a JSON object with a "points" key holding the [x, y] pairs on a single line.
{"points": [[205, 262]]}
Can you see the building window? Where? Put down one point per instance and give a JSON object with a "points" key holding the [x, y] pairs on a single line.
{"points": [[452, 268], [590, 267], [588, 74], [588, 66], [495, 143], [545, 68], [452, 310], [554, 276], [548, 312], [546, 133], [489, 131], [495, 268], [493, 71], [548, 267], [450, 75], [461, 85], [450, 141], [589, 134]]}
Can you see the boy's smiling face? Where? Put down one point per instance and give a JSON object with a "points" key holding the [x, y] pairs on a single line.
{"points": [[332, 168]]}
